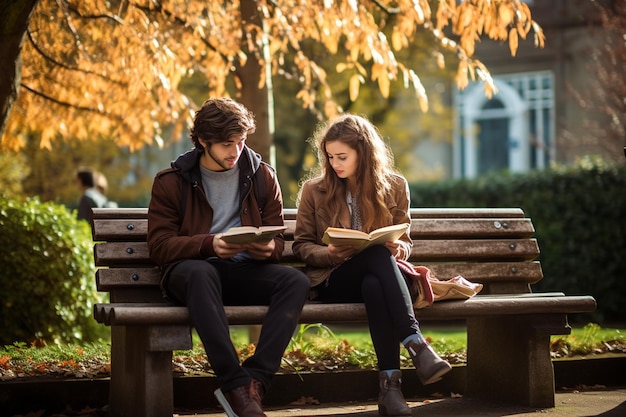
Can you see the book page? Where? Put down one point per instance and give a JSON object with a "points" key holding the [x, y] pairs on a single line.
{"points": [[394, 230], [387, 234], [249, 234], [339, 236]]}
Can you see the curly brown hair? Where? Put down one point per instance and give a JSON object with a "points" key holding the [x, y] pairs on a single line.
{"points": [[220, 118]]}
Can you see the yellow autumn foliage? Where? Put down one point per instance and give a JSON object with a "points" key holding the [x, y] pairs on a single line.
{"points": [[114, 69]]}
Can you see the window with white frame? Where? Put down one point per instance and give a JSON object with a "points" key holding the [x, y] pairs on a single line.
{"points": [[512, 131]]}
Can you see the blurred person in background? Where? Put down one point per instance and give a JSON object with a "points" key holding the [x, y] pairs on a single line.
{"points": [[102, 185], [91, 197]]}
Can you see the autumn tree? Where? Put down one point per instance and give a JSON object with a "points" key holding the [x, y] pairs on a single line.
{"points": [[95, 68]]}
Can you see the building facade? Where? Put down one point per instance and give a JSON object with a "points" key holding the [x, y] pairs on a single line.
{"points": [[537, 117]]}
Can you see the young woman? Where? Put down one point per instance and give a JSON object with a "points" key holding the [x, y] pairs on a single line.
{"points": [[358, 188]]}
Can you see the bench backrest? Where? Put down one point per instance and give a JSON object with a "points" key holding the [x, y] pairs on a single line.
{"points": [[492, 246]]}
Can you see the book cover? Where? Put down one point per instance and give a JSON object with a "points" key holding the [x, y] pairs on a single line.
{"points": [[362, 240], [251, 234]]}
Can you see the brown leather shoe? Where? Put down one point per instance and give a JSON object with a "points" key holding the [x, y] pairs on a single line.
{"points": [[257, 390], [243, 401]]}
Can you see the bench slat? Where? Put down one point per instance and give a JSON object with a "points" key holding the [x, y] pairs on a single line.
{"points": [[476, 228], [474, 249], [136, 253], [134, 229], [120, 229], [111, 278], [527, 272], [129, 314], [120, 213], [122, 253], [290, 213]]}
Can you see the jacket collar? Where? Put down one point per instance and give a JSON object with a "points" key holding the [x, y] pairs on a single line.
{"points": [[189, 164]]}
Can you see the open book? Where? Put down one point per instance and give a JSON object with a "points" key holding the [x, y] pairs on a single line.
{"points": [[250, 234], [340, 236]]}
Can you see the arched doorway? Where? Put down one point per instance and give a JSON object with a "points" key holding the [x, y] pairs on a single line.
{"points": [[494, 132]]}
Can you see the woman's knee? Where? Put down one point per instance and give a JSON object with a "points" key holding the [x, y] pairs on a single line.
{"points": [[376, 252], [371, 288], [378, 261], [376, 257]]}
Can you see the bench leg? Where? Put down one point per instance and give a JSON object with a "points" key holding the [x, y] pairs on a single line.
{"points": [[141, 369], [508, 358]]}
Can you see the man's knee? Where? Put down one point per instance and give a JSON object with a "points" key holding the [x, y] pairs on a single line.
{"points": [[201, 273], [300, 280], [295, 282]]}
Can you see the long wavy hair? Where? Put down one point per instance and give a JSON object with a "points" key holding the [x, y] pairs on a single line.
{"points": [[375, 168]]}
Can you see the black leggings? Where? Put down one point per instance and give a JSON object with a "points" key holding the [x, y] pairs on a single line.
{"points": [[373, 277]]}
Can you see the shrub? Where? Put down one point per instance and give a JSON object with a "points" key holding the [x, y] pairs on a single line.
{"points": [[578, 214], [13, 170], [47, 286]]}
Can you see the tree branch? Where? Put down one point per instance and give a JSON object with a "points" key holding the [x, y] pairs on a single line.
{"points": [[388, 10], [157, 7], [65, 66], [70, 105], [74, 9]]}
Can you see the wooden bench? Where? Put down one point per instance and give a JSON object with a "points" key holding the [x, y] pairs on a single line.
{"points": [[508, 326]]}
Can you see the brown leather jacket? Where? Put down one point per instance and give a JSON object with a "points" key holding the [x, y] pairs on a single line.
{"points": [[313, 219], [178, 231]]}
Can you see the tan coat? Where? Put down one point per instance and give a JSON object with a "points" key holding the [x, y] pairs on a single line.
{"points": [[313, 219]]}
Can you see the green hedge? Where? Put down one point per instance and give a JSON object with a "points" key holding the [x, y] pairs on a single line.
{"points": [[579, 215], [47, 284]]}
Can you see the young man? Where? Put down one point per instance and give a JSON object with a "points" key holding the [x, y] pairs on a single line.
{"points": [[221, 184]]}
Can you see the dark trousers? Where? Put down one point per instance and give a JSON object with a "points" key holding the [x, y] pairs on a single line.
{"points": [[206, 286], [373, 277]]}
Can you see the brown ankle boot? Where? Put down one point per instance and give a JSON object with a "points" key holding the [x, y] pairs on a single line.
{"points": [[243, 401], [428, 365], [390, 399]]}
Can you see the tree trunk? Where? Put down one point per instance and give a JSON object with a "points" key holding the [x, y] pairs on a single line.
{"points": [[258, 100], [13, 26]]}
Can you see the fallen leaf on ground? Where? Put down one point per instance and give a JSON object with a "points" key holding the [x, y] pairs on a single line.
{"points": [[305, 401]]}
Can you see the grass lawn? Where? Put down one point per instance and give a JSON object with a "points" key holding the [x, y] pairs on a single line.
{"points": [[312, 347], [584, 339]]}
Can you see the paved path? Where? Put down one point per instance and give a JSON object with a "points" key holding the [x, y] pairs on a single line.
{"points": [[604, 403]]}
